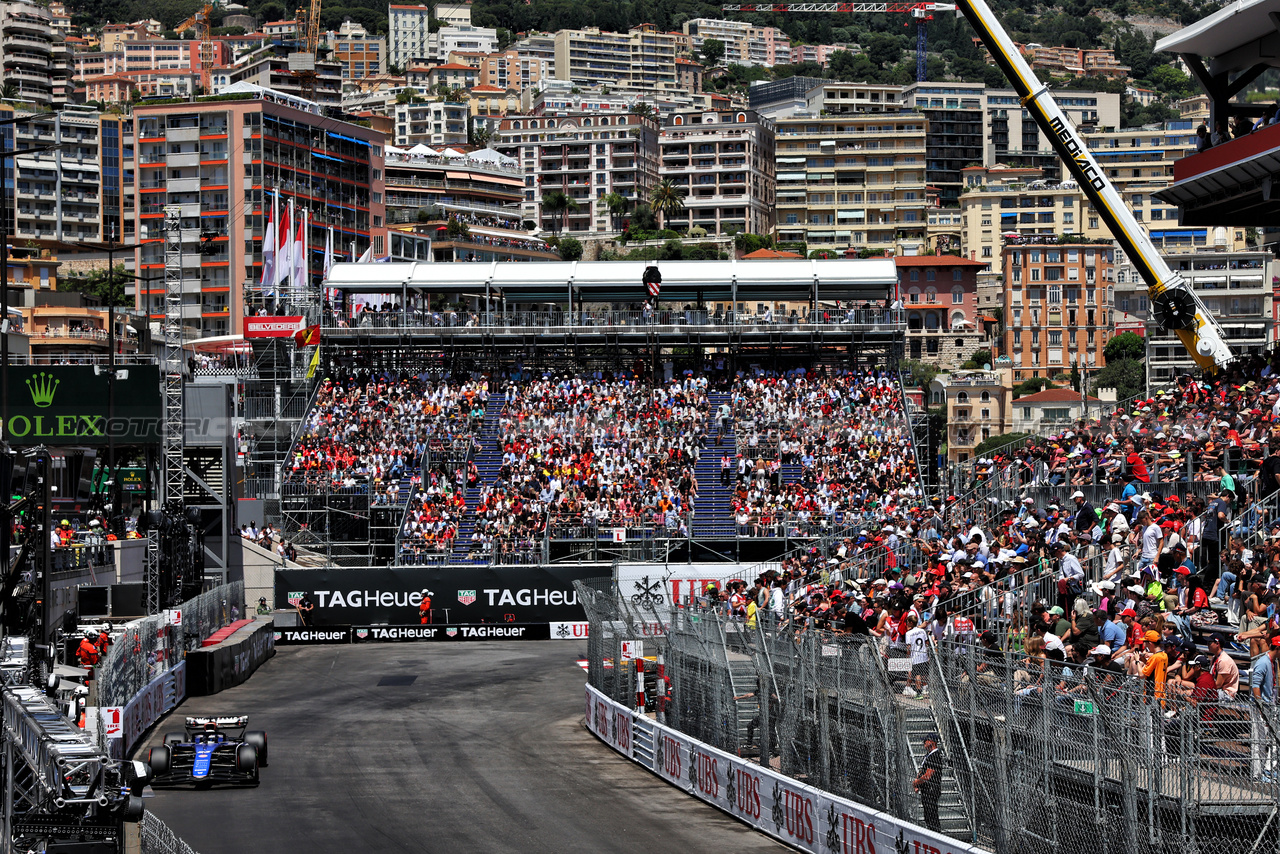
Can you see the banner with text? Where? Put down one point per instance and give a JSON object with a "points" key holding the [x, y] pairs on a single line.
{"points": [[799, 815], [272, 327], [70, 405], [650, 585], [455, 597]]}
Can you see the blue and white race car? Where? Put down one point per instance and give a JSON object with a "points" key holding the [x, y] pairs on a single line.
{"points": [[212, 750]]}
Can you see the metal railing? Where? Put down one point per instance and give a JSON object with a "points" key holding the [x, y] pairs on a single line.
{"points": [[860, 319], [1036, 756], [157, 838]]}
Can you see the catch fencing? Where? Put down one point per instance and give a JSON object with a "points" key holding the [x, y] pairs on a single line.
{"points": [[1090, 765], [157, 838], [153, 645]]}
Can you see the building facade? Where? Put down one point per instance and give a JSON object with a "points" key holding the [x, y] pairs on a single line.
{"points": [[586, 157], [940, 295], [1236, 287], [409, 34], [724, 161], [32, 53], [1057, 305], [641, 57], [435, 124], [55, 194], [219, 162], [954, 140], [360, 56], [853, 182], [979, 406]]}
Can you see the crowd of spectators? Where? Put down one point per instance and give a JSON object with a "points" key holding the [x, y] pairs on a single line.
{"points": [[1189, 432], [816, 448], [367, 434]]}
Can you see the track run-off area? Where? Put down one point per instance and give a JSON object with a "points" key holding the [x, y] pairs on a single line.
{"points": [[448, 747]]}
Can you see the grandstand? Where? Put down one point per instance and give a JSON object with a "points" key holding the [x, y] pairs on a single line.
{"points": [[599, 423]]}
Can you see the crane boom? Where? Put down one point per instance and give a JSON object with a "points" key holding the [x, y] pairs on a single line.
{"points": [[1176, 306]]}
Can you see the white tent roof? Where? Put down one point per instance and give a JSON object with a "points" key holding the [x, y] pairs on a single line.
{"points": [[452, 152], [489, 155], [1246, 28], [422, 149]]}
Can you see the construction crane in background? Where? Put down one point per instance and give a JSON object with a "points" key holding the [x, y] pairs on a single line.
{"points": [[302, 62], [921, 12], [204, 25]]}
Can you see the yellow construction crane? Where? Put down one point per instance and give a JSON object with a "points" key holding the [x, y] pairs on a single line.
{"points": [[205, 24], [302, 63]]}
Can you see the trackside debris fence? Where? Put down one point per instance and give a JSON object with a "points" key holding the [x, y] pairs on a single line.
{"points": [[1038, 757]]}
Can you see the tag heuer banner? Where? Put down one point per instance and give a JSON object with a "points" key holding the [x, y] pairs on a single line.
{"points": [[67, 405], [500, 595]]}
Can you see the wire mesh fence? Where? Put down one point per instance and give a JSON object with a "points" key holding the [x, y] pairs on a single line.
{"points": [[157, 838], [1033, 755], [152, 645]]}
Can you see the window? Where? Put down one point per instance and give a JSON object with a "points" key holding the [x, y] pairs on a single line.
{"points": [[957, 295], [930, 275], [955, 274], [1026, 413], [915, 275]]}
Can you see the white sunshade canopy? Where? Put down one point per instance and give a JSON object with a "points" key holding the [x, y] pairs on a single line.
{"points": [[1237, 36]]}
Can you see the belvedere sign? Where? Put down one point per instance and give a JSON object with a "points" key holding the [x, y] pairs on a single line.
{"points": [[67, 405]]}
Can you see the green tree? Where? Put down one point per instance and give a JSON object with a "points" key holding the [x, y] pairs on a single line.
{"points": [[640, 108], [1075, 376], [1126, 345], [746, 242], [667, 199], [884, 50], [109, 289], [570, 249], [457, 229], [986, 446], [617, 205], [712, 52], [1126, 376], [9, 91], [1030, 386], [557, 204], [672, 250], [1171, 82], [978, 359], [921, 373], [643, 219]]}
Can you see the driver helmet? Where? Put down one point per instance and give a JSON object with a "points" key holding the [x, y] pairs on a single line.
{"points": [[90, 634], [66, 523]]}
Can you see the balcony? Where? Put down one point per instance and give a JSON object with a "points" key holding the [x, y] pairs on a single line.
{"points": [[1228, 184]]}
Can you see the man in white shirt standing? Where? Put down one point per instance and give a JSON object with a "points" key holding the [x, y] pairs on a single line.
{"points": [[918, 643], [1070, 575]]}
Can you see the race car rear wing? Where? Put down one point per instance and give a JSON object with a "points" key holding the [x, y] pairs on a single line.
{"points": [[226, 722]]}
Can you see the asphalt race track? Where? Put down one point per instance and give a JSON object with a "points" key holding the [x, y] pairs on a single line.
{"points": [[483, 750]]}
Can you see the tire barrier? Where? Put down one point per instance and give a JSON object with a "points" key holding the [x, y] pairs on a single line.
{"points": [[800, 816]]}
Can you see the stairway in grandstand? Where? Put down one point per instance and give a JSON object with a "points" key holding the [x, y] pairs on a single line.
{"points": [[713, 512], [488, 461], [918, 721]]}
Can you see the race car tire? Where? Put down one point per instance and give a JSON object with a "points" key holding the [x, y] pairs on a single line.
{"points": [[258, 739], [172, 738], [247, 760], [134, 808], [159, 760]]}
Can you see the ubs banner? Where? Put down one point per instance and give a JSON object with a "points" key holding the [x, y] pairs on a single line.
{"points": [[67, 405], [498, 597]]}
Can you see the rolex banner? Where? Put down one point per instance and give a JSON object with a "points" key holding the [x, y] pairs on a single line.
{"points": [[72, 405], [509, 596]]}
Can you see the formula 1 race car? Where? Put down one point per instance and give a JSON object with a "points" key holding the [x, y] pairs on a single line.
{"points": [[212, 750]]}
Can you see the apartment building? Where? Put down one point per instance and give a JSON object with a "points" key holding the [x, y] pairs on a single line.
{"points": [[955, 141], [409, 36], [724, 161], [484, 189], [1074, 61], [120, 88], [454, 14], [32, 53], [586, 157], [540, 47], [435, 124], [453, 75], [1013, 138], [853, 181], [1236, 287], [219, 161], [1057, 305], [839, 99], [55, 194], [117, 147], [360, 55], [641, 57], [744, 44], [940, 294], [465, 39], [270, 70], [163, 54], [508, 69], [1135, 159], [979, 406]]}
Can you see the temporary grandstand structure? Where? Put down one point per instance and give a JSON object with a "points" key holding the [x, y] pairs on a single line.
{"points": [[580, 282]]}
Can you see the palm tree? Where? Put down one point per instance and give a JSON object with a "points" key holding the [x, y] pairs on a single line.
{"points": [[617, 205], [9, 92], [557, 204], [666, 198]]}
